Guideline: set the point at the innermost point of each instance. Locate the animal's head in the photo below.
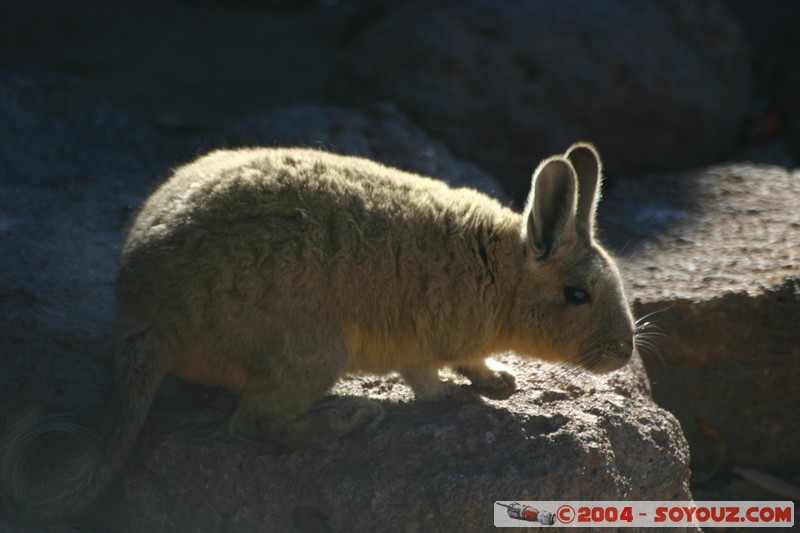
(570, 300)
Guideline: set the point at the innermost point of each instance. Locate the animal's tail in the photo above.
(52, 468)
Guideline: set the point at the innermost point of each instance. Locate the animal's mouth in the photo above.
(611, 362)
(599, 359)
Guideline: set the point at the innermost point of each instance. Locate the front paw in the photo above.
(499, 385)
(501, 380)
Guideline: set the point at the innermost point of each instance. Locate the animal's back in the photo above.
(247, 245)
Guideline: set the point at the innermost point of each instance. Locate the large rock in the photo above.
(381, 133)
(656, 84)
(57, 129)
(428, 467)
(72, 167)
(199, 64)
(771, 27)
(716, 255)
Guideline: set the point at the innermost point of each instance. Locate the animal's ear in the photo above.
(589, 172)
(550, 209)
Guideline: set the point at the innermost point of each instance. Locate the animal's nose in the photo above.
(626, 347)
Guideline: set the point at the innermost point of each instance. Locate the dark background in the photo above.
(99, 100)
(660, 86)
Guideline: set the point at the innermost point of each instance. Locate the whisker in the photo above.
(657, 311)
(595, 361)
(647, 325)
(579, 364)
(653, 333)
(646, 345)
(650, 330)
(650, 335)
(565, 370)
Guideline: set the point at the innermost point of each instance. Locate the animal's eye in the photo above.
(576, 296)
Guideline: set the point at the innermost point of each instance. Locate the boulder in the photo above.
(381, 133)
(657, 85)
(58, 129)
(428, 466)
(714, 256)
(72, 168)
(201, 64)
(771, 30)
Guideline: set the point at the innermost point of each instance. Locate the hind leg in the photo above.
(284, 409)
(274, 417)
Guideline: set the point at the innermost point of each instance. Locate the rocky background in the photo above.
(695, 106)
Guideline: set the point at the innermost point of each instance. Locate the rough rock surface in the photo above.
(72, 168)
(716, 254)
(431, 466)
(428, 467)
(382, 134)
(655, 84)
(57, 128)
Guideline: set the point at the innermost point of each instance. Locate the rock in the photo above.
(71, 169)
(382, 134)
(198, 66)
(714, 254)
(428, 467)
(58, 129)
(660, 85)
(771, 30)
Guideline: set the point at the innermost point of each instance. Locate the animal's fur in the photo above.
(273, 272)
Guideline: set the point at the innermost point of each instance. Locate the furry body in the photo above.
(242, 251)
